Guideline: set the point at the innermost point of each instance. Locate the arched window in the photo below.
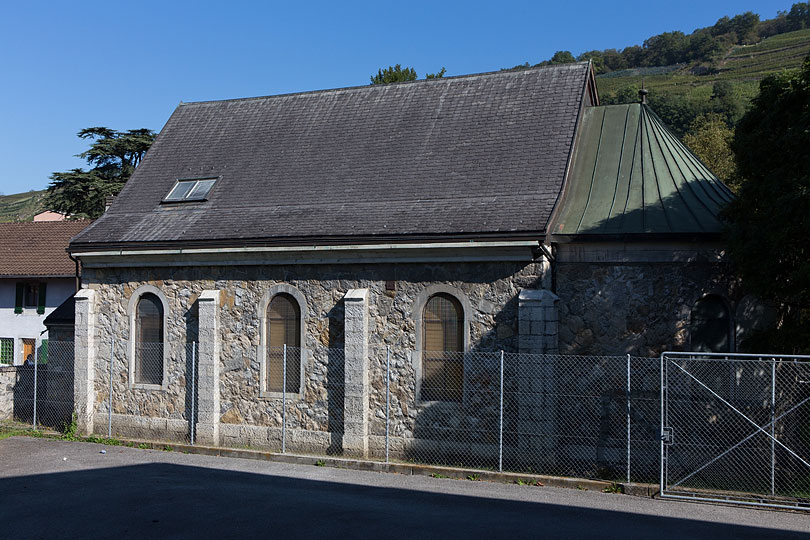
(443, 344)
(283, 328)
(711, 329)
(149, 340)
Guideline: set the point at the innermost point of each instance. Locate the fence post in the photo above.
(284, 403)
(110, 390)
(193, 388)
(773, 426)
(661, 428)
(628, 418)
(500, 423)
(387, 397)
(36, 361)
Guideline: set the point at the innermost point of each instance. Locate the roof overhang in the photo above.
(33, 276)
(524, 250)
(636, 238)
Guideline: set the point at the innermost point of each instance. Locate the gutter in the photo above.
(349, 248)
(451, 252)
(78, 271)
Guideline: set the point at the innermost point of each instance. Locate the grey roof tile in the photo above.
(480, 154)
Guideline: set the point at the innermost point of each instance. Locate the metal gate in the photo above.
(736, 428)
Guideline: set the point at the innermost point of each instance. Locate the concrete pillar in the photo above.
(355, 401)
(537, 407)
(84, 364)
(208, 368)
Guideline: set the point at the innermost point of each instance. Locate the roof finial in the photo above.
(642, 94)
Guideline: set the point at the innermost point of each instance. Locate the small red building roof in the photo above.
(38, 248)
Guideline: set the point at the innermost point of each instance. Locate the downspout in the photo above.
(78, 272)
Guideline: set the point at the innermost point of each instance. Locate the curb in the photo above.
(634, 489)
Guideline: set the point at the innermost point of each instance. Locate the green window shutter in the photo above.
(41, 298)
(42, 358)
(19, 300)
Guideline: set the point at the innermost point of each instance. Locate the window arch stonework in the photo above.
(442, 316)
(148, 345)
(282, 313)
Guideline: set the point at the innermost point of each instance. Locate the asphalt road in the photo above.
(57, 489)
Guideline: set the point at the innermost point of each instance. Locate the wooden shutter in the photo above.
(283, 328)
(18, 302)
(41, 298)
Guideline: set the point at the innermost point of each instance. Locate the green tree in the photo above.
(726, 102)
(597, 59)
(710, 139)
(667, 48)
(113, 156)
(799, 16)
(393, 74)
(438, 75)
(677, 111)
(562, 57)
(769, 222)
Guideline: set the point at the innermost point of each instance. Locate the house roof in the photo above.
(64, 314)
(37, 249)
(474, 156)
(630, 175)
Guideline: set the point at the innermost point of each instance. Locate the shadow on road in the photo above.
(175, 501)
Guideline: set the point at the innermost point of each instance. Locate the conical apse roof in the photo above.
(632, 176)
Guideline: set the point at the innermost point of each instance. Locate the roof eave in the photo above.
(371, 241)
(638, 237)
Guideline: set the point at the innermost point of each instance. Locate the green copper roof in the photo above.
(631, 175)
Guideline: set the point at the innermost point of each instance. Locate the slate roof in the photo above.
(37, 248)
(632, 176)
(463, 156)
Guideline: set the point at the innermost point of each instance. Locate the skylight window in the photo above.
(192, 189)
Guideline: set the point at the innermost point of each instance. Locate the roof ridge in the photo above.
(502, 72)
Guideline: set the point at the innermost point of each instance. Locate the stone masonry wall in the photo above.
(490, 288)
(8, 378)
(637, 308)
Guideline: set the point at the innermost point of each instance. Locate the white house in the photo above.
(36, 276)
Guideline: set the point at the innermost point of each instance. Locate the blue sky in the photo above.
(69, 65)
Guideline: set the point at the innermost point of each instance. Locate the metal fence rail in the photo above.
(40, 391)
(736, 428)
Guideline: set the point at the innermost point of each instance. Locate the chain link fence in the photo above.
(733, 425)
(146, 389)
(737, 428)
(39, 392)
(591, 417)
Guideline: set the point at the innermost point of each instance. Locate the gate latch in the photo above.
(667, 435)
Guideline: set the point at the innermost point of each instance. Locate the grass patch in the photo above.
(613, 488)
(522, 482)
